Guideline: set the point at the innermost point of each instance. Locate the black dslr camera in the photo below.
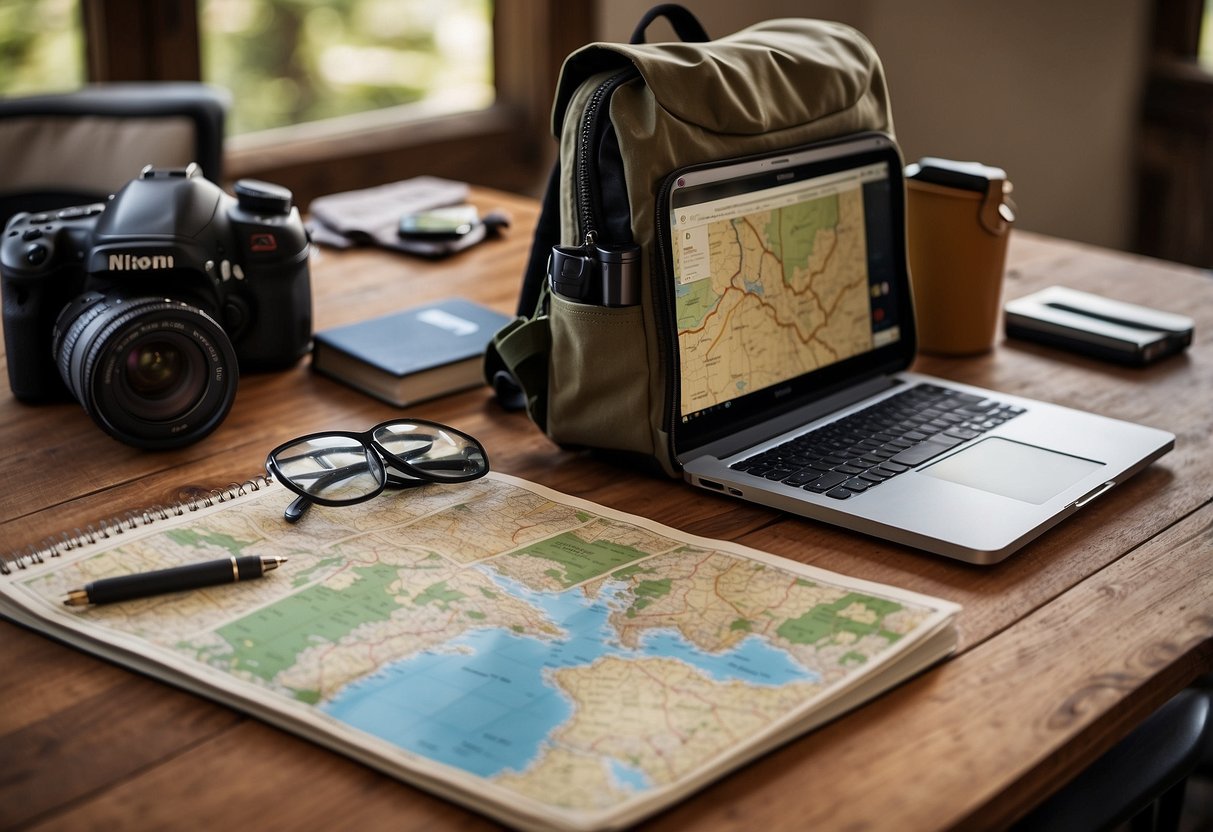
(141, 308)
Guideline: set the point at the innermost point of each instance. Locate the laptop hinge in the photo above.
(770, 428)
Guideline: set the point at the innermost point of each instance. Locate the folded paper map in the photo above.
(549, 662)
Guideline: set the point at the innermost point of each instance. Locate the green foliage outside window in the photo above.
(294, 61)
(1204, 49)
(288, 61)
(41, 47)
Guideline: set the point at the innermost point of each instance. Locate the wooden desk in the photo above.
(1064, 647)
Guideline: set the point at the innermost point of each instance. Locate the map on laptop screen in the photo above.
(773, 281)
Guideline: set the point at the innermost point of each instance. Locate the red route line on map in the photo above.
(812, 336)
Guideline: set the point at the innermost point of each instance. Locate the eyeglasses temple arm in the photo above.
(296, 509)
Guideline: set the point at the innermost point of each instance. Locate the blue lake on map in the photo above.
(481, 702)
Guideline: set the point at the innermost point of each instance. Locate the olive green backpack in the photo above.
(627, 116)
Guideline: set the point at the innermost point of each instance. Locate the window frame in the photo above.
(1175, 143)
(507, 145)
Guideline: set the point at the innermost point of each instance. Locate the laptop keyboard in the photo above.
(861, 451)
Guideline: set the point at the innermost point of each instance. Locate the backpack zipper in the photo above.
(667, 324)
(588, 207)
(588, 203)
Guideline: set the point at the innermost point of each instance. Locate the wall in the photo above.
(1047, 89)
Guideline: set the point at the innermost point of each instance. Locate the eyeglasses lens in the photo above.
(439, 452)
(331, 467)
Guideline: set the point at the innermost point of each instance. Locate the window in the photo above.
(296, 62)
(333, 95)
(1204, 49)
(1175, 159)
(41, 46)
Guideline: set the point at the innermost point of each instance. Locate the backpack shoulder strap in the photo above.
(516, 364)
(547, 234)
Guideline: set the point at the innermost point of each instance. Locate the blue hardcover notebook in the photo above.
(413, 355)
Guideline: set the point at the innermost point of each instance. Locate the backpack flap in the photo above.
(776, 85)
(772, 76)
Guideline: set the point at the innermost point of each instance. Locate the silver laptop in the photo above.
(795, 327)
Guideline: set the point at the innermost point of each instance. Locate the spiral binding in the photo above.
(56, 545)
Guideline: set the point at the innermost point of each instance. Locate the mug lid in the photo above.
(998, 209)
(967, 176)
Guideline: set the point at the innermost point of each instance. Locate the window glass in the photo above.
(41, 46)
(293, 61)
(1204, 49)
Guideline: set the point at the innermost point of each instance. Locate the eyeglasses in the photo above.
(340, 468)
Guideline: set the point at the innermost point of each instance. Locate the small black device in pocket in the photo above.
(602, 275)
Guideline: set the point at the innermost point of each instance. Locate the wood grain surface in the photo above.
(1064, 647)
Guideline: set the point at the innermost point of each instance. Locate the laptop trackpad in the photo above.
(1013, 469)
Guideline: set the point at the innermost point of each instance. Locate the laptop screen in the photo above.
(789, 280)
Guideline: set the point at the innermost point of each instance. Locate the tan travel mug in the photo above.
(958, 220)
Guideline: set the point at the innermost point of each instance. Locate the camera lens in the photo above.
(154, 373)
(153, 369)
(162, 377)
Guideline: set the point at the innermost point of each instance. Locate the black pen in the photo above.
(193, 576)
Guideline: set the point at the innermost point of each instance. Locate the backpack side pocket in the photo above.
(598, 385)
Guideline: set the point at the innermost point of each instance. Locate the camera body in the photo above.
(145, 308)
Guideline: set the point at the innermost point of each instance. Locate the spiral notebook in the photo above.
(549, 662)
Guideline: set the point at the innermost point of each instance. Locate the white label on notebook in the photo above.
(445, 320)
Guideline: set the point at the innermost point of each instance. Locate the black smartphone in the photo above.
(440, 223)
